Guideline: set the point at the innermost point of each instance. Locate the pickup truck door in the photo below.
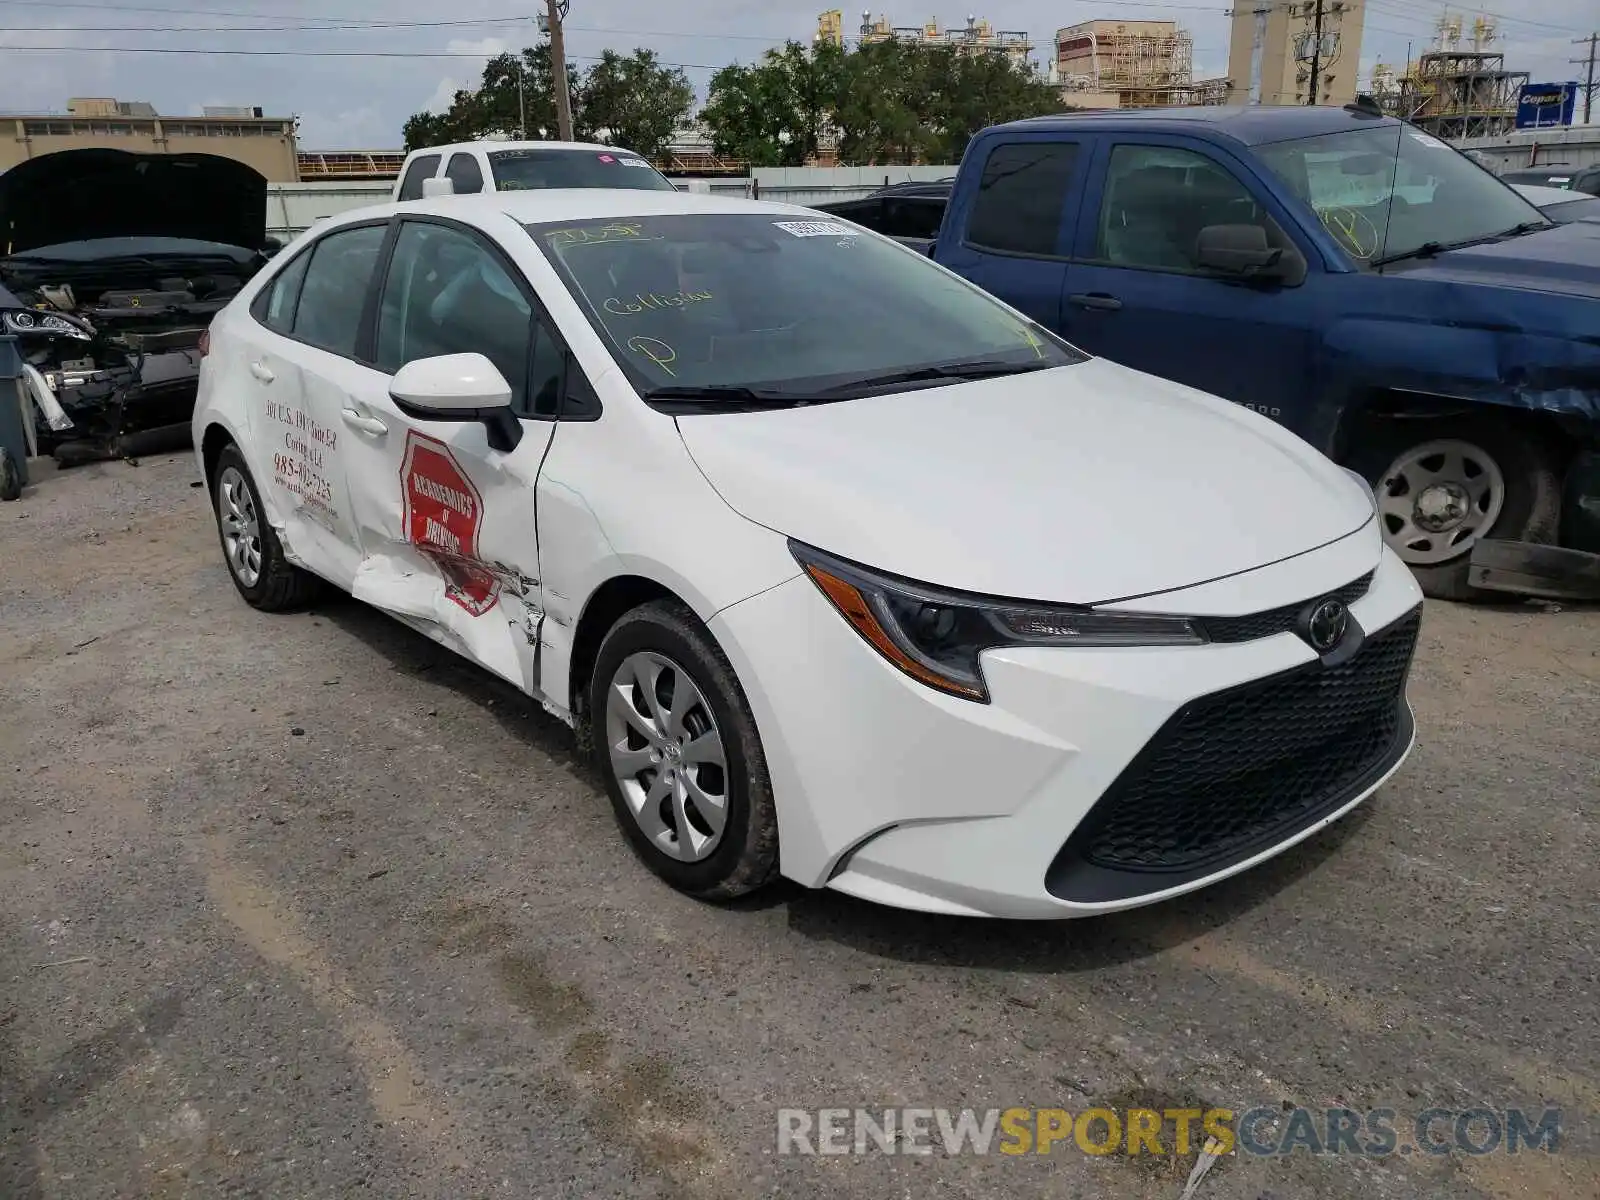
(1011, 231)
(1137, 297)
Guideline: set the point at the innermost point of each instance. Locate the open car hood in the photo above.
(76, 195)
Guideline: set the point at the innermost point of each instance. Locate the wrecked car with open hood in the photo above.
(114, 264)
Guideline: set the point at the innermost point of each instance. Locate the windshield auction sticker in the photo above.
(815, 228)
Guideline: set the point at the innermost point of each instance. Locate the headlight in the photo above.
(936, 637)
(26, 321)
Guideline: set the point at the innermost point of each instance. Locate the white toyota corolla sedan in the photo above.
(844, 569)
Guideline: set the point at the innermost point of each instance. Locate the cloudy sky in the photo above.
(258, 51)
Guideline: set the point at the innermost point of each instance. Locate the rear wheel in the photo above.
(1444, 485)
(256, 562)
(676, 742)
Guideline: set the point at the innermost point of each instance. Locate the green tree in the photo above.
(515, 96)
(888, 102)
(635, 102)
(776, 112)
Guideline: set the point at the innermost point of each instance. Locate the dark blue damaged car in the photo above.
(1353, 278)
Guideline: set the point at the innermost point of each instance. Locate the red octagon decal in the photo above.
(443, 514)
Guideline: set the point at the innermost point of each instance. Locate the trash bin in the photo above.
(13, 418)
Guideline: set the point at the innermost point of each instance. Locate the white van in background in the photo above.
(493, 166)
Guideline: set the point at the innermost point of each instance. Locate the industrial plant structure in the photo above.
(1454, 91)
(1129, 64)
(1276, 46)
(975, 37)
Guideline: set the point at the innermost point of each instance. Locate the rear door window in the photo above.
(421, 168)
(335, 289)
(1022, 198)
(464, 173)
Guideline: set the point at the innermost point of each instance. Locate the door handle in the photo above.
(1095, 300)
(365, 424)
(262, 372)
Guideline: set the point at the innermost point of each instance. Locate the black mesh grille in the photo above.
(1241, 769)
(1275, 620)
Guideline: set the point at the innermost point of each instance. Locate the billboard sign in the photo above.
(1546, 105)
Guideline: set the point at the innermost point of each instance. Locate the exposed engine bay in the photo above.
(114, 345)
(114, 265)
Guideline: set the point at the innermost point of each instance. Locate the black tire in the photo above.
(747, 856)
(280, 586)
(1529, 462)
(10, 476)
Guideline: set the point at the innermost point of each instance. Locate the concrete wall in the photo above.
(293, 208)
(1577, 146)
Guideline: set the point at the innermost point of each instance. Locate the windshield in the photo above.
(521, 170)
(783, 305)
(1392, 190)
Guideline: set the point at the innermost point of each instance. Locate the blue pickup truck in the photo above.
(1340, 271)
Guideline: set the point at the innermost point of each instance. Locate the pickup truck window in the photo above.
(1021, 195)
(1392, 192)
(421, 168)
(520, 170)
(464, 173)
(1156, 201)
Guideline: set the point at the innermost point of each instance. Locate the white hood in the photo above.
(1082, 484)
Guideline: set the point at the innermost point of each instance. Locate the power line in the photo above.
(311, 53)
(354, 25)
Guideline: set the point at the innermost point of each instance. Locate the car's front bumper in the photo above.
(896, 793)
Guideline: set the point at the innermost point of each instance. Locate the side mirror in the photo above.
(458, 387)
(1242, 252)
(438, 187)
(933, 247)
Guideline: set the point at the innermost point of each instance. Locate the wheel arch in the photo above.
(1380, 406)
(213, 442)
(605, 606)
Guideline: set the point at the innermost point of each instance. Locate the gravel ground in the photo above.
(302, 906)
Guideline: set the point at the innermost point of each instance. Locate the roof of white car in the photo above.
(535, 206)
(492, 145)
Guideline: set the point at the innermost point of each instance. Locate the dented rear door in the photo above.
(446, 522)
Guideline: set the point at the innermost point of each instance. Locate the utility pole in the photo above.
(1589, 83)
(1316, 53)
(558, 68)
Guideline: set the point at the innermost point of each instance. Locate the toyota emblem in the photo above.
(1325, 624)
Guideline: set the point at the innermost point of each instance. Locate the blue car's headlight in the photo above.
(27, 322)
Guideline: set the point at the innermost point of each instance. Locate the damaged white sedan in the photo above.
(843, 569)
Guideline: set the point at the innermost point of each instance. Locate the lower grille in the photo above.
(1234, 772)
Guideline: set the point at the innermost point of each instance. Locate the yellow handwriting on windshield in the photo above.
(656, 351)
(1033, 340)
(614, 231)
(651, 302)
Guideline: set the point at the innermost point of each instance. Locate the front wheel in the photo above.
(1444, 485)
(676, 742)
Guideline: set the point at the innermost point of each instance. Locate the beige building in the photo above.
(265, 143)
(1271, 48)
